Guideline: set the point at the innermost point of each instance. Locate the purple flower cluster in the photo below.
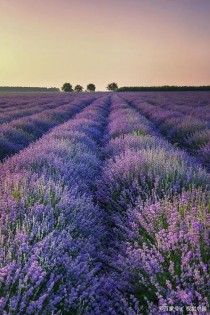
(124, 120)
(50, 228)
(195, 104)
(17, 134)
(155, 199)
(103, 216)
(165, 252)
(143, 165)
(22, 105)
(189, 103)
(186, 126)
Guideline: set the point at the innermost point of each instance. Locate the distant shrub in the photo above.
(67, 87)
(91, 87)
(78, 88)
(112, 86)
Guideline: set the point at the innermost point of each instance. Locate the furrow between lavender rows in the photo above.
(83, 227)
(50, 229)
(34, 105)
(194, 104)
(10, 101)
(183, 130)
(155, 200)
(18, 134)
(11, 114)
(21, 101)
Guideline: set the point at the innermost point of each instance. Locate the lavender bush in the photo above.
(48, 258)
(102, 215)
(165, 253)
(155, 201)
(17, 134)
(182, 126)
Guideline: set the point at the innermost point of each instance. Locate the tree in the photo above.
(78, 88)
(67, 87)
(91, 87)
(112, 86)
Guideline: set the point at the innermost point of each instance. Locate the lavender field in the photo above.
(104, 203)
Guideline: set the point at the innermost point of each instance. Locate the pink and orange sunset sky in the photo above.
(132, 42)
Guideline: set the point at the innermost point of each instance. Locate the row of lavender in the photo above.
(50, 229)
(12, 113)
(141, 245)
(17, 134)
(195, 104)
(184, 130)
(19, 100)
(155, 199)
(19, 105)
(24, 100)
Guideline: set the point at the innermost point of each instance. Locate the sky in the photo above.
(131, 42)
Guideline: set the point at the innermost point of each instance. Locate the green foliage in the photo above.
(163, 88)
(91, 87)
(78, 88)
(67, 87)
(22, 89)
(112, 86)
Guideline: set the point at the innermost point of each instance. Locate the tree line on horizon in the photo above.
(163, 88)
(19, 89)
(67, 87)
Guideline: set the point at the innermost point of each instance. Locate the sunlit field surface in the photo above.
(104, 203)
